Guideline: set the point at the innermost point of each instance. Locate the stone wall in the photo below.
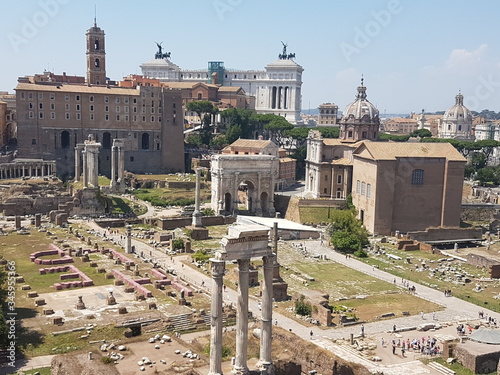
(481, 261)
(311, 358)
(179, 222)
(477, 357)
(441, 234)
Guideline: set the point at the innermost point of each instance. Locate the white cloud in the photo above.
(462, 61)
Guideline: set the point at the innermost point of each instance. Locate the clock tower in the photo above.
(96, 56)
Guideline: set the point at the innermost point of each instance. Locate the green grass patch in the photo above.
(457, 367)
(42, 371)
(34, 343)
(315, 215)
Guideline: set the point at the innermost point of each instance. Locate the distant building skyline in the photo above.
(413, 55)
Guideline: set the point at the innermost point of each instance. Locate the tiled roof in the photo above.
(78, 89)
(342, 161)
(393, 150)
(254, 143)
(284, 160)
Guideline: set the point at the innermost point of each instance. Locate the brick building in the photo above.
(56, 113)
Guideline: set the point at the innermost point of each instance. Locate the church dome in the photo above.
(361, 110)
(458, 113)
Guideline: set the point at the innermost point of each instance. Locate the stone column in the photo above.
(113, 168)
(265, 361)
(121, 164)
(236, 198)
(128, 241)
(258, 203)
(197, 214)
(85, 168)
(218, 267)
(240, 365)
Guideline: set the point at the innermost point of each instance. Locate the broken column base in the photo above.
(198, 233)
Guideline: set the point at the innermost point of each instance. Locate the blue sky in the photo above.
(413, 54)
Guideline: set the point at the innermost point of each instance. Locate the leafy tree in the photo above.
(242, 118)
(277, 128)
(201, 107)
(329, 131)
(394, 138)
(193, 140)
(233, 133)
(422, 133)
(219, 141)
(478, 160)
(299, 134)
(300, 154)
(301, 307)
(346, 232)
(488, 175)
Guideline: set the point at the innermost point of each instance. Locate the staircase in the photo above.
(440, 368)
(182, 322)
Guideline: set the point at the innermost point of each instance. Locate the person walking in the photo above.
(362, 330)
(311, 333)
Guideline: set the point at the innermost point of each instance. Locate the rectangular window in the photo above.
(66, 97)
(91, 98)
(363, 188)
(106, 108)
(40, 114)
(77, 97)
(52, 96)
(417, 177)
(125, 100)
(117, 117)
(67, 116)
(326, 177)
(92, 116)
(30, 95)
(135, 118)
(22, 95)
(52, 106)
(40, 105)
(106, 99)
(358, 187)
(30, 105)
(135, 109)
(66, 106)
(152, 110)
(117, 108)
(52, 115)
(30, 114)
(368, 190)
(117, 100)
(126, 118)
(339, 179)
(40, 96)
(126, 109)
(106, 117)
(135, 100)
(131, 158)
(78, 107)
(78, 116)
(92, 108)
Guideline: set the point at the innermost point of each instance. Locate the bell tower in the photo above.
(96, 56)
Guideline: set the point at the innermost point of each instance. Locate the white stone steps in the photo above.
(440, 368)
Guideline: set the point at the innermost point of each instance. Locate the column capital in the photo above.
(268, 260)
(218, 267)
(243, 265)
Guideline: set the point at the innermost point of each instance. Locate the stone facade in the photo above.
(54, 117)
(457, 121)
(257, 173)
(277, 89)
(477, 357)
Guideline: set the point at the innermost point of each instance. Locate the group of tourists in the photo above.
(424, 345)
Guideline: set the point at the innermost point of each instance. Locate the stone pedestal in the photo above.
(128, 241)
(18, 222)
(198, 233)
(110, 299)
(80, 305)
(38, 220)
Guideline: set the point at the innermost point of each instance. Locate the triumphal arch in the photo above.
(244, 182)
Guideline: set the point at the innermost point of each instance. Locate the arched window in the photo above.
(417, 177)
(145, 141)
(96, 63)
(96, 44)
(200, 96)
(106, 141)
(65, 139)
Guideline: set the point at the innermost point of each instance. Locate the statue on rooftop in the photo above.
(160, 54)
